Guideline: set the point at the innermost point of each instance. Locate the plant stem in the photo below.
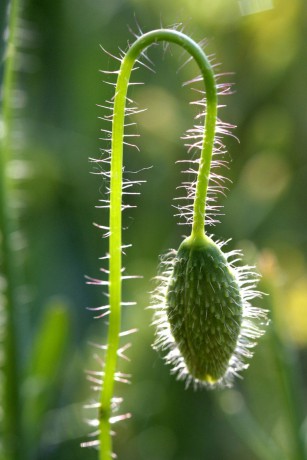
(116, 198)
(11, 398)
(287, 368)
(288, 375)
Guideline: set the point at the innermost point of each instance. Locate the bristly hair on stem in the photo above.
(203, 314)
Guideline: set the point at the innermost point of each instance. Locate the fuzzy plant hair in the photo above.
(204, 319)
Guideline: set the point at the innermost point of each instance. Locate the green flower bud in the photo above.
(203, 313)
(204, 309)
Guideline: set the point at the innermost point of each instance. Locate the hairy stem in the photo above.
(116, 198)
(11, 398)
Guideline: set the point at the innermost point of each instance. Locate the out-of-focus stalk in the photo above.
(287, 370)
(11, 433)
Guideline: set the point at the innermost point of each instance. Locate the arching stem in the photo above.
(116, 198)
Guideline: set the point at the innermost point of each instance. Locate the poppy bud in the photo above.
(203, 312)
(204, 309)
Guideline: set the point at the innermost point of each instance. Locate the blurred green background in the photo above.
(58, 126)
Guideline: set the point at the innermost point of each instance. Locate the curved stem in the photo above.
(11, 398)
(116, 198)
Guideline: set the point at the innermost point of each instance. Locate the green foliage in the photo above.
(40, 386)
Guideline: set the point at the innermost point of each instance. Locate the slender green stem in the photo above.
(291, 397)
(116, 198)
(11, 398)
